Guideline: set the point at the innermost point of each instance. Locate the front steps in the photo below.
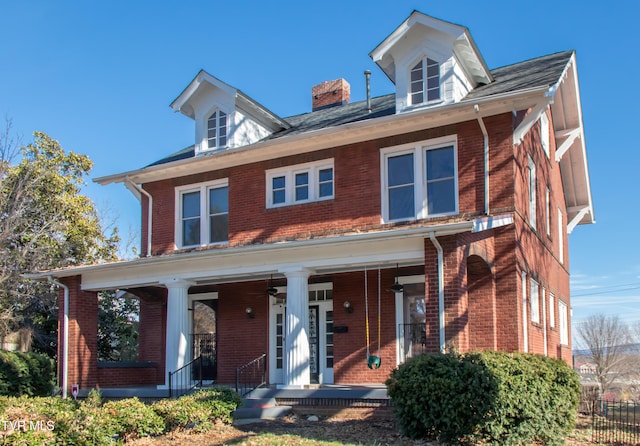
(271, 403)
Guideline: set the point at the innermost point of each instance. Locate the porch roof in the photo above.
(254, 262)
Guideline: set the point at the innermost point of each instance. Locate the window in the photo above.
(425, 86)
(532, 192)
(420, 181)
(217, 130)
(535, 301)
(203, 213)
(301, 183)
(544, 133)
(560, 237)
(525, 319)
(552, 311)
(563, 319)
(547, 210)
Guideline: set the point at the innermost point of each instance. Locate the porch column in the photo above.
(296, 355)
(177, 325)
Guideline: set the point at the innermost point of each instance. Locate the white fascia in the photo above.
(335, 136)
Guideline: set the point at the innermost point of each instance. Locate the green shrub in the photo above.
(130, 418)
(26, 374)
(199, 410)
(441, 396)
(491, 397)
(55, 421)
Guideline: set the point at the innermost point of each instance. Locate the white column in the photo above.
(296, 358)
(177, 325)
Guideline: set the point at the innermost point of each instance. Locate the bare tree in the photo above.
(609, 343)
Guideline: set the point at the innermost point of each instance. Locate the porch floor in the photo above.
(323, 395)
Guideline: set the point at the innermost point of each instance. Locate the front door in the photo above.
(320, 335)
(204, 337)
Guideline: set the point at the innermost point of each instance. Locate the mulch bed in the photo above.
(355, 426)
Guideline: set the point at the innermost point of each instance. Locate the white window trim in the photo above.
(525, 319)
(560, 236)
(202, 188)
(425, 91)
(534, 300)
(552, 311)
(544, 133)
(563, 316)
(531, 180)
(547, 210)
(418, 150)
(204, 125)
(289, 172)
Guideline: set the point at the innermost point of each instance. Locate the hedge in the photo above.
(26, 374)
(54, 421)
(490, 397)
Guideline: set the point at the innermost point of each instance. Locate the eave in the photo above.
(323, 255)
(464, 46)
(571, 153)
(336, 136)
(245, 103)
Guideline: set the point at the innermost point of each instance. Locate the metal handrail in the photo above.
(184, 376)
(251, 375)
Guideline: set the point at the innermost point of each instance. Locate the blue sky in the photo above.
(99, 77)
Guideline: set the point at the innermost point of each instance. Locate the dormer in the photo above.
(431, 62)
(225, 118)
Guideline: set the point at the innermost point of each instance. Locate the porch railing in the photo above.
(186, 378)
(251, 375)
(414, 339)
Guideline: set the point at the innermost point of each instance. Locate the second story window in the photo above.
(203, 214)
(420, 180)
(544, 133)
(217, 130)
(301, 183)
(531, 172)
(425, 82)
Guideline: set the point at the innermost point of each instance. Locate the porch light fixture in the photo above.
(347, 307)
(249, 312)
(272, 291)
(396, 287)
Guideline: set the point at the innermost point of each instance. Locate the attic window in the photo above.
(422, 85)
(217, 130)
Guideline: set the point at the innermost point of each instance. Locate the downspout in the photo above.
(486, 159)
(65, 338)
(441, 321)
(149, 211)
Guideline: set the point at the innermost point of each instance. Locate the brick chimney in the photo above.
(330, 94)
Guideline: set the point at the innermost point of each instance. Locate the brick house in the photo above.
(431, 218)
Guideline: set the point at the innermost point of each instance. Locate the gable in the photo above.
(460, 66)
(224, 116)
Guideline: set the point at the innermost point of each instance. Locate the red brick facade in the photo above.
(482, 271)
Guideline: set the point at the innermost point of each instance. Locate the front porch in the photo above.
(318, 316)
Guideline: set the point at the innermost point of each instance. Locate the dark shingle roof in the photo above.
(539, 72)
(543, 71)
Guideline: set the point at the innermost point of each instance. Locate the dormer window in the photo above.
(217, 130)
(425, 82)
